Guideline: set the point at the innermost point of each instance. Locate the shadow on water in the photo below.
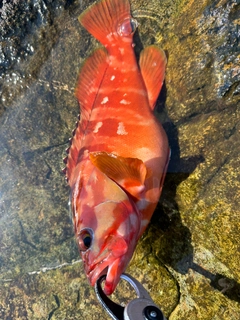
(176, 249)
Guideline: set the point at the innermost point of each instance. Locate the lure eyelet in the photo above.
(85, 239)
(127, 27)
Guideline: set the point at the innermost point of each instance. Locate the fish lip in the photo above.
(105, 267)
(97, 270)
(108, 263)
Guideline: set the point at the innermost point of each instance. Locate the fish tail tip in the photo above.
(102, 19)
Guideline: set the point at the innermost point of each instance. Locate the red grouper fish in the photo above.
(119, 153)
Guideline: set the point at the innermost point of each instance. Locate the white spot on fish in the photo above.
(92, 89)
(121, 50)
(93, 178)
(122, 229)
(121, 129)
(110, 36)
(88, 189)
(125, 90)
(134, 90)
(134, 219)
(142, 204)
(125, 94)
(85, 154)
(105, 100)
(112, 78)
(97, 126)
(123, 101)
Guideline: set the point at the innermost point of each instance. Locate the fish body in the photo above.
(119, 153)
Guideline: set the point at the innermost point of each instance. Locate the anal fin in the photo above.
(152, 63)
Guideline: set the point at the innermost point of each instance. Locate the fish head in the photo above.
(108, 240)
(106, 218)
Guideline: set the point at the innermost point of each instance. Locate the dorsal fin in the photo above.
(152, 63)
(129, 173)
(90, 78)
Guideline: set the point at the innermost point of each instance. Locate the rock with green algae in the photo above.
(49, 294)
(197, 235)
(188, 258)
(62, 292)
(203, 102)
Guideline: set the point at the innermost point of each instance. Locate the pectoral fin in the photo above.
(153, 64)
(129, 173)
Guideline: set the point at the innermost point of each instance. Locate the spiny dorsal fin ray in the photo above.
(90, 78)
(152, 63)
(129, 173)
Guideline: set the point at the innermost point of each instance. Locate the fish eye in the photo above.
(127, 27)
(85, 238)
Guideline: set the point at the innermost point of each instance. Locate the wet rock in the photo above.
(48, 294)
(188, 259)
(29, 31)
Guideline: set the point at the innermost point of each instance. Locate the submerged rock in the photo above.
(188, 259)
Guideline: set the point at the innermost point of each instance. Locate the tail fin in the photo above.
(104, 18)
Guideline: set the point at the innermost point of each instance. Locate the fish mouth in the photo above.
(111, 262)
(96, 271)
(111, 269)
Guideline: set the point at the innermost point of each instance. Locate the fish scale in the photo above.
(119, 153)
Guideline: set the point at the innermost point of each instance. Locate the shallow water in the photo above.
(188, 258)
